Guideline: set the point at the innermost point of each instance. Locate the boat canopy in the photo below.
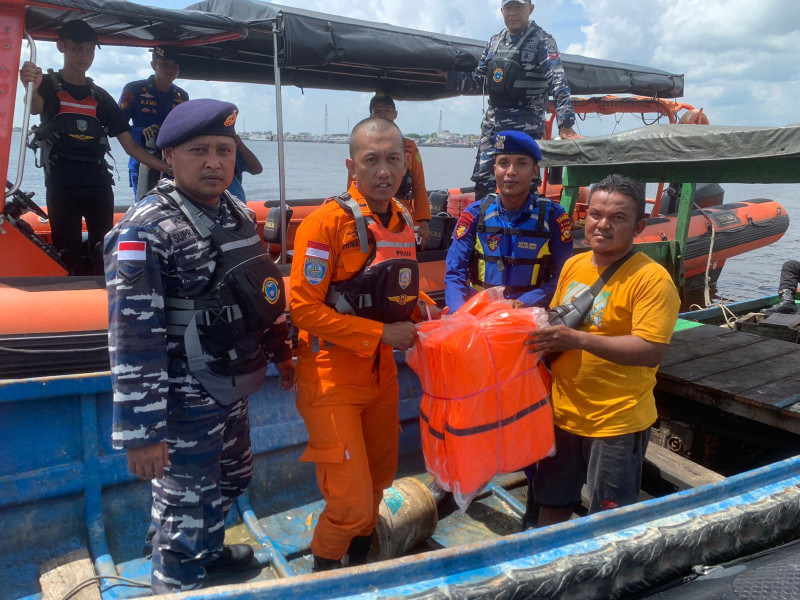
(120, 23)
(657, 144)
(318, 50)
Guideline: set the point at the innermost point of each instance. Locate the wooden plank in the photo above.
(720, 363)
(678, 470)
(687, 351)
(700, 333)
(59, 575)
(742, 407)
(759, 373)
(775, 392)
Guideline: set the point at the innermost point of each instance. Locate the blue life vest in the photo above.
(516, 257)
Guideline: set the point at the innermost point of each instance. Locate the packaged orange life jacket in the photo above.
(485, 406)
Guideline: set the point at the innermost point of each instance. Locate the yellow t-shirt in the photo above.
(594, 397)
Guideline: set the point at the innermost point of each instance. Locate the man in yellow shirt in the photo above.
(604, 376)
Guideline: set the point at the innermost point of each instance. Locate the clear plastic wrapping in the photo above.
(485, 406)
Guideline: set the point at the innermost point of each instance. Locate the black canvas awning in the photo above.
(120, 23)
(332, 52)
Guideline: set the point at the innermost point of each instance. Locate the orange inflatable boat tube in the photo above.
(485, 406)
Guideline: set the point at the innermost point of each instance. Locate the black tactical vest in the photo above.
(386, 289)
(223, 329)
(509, 84)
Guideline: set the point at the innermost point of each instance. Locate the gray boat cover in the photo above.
(120, 23)
(318, 50)
(676, 144)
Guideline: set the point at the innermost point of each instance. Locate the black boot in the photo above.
(235, 557)
(325, 564)
(358, 550)
(786, 306)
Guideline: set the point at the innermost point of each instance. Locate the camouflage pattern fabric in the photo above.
(539, 55)
(151, 253)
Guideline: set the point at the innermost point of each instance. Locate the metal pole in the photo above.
(26, 116)
(279, 115)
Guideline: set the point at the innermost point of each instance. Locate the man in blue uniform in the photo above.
(520, 68)
(510, 238)
(196, 310)
(146, 103)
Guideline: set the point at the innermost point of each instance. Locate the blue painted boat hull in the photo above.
(63, 488)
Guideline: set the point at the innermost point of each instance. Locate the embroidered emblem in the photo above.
(402, 299)
(82, 125)
(565, 225)
(497, 75)
(231, 119)
(404, 278)
(464, 222)
(314, 269)
(500, 142)
(493, 242)
(271, 290)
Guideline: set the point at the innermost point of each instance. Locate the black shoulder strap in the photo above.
(543, 214)
(487, 202)
(609, 273)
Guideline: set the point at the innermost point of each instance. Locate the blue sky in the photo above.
(740, 59)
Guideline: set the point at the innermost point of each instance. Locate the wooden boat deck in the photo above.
(741, 373)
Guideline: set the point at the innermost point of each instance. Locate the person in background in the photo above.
(412, 192)
(196, 312)
(604, 371)
(77, 117)
(147, 102)
(246, 162)
(790, 277)
(520, 68)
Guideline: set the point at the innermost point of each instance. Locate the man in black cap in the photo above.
(147, 102)
(77, 117)
(196, 311)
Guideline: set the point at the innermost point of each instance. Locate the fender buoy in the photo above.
(695, 116)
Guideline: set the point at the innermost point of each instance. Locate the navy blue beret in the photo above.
(197, 117)
(516, 142)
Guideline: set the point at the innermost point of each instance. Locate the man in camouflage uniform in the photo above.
(520, 68)
(180, 393)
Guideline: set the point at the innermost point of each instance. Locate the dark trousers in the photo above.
(211, 465)
(66, 206)
(790, 275)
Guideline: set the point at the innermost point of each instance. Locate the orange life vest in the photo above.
(485, 407)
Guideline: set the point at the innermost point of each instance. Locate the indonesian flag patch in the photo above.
(132, 251)
(318, 250)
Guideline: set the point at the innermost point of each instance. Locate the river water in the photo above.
(316, 170)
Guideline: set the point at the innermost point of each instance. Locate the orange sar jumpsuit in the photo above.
(418, 205)
(347, 390)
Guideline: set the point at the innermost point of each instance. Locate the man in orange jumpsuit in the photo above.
(347, 378)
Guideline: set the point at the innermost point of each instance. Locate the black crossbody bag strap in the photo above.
(609, 273)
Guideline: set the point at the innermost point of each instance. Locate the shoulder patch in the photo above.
(131, 251)
(318, 250)
(463, 224)
(314, 269)
(271, 289)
